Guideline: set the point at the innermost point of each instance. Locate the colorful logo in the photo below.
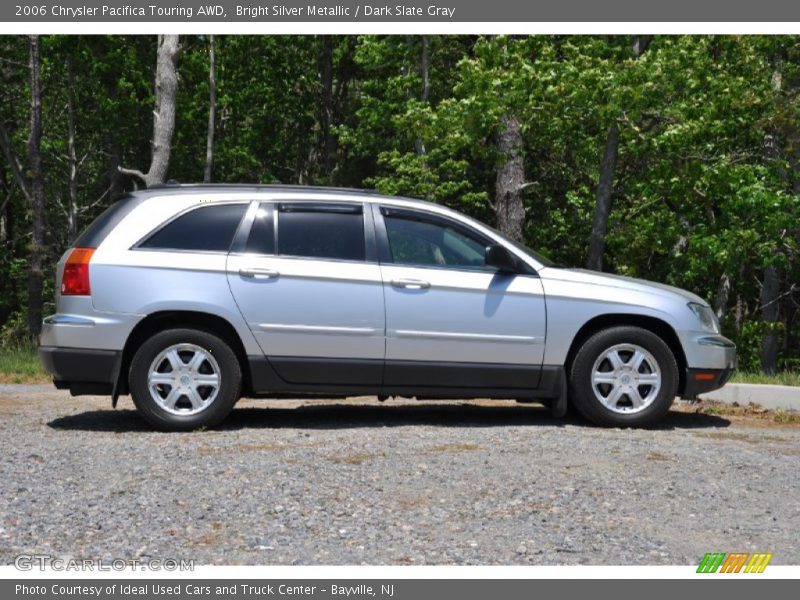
(736, 562)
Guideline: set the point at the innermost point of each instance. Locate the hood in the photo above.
(621, 282)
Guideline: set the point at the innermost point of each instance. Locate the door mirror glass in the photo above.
(501, 259)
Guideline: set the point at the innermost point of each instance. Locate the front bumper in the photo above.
(701, 381)
(711, 360)
(80, 370)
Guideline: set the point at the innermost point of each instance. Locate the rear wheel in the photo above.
(182, 379)
(624, 376)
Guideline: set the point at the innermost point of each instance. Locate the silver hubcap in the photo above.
(626, 378)
(184, 379)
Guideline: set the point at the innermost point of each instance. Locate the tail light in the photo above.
(75, 279)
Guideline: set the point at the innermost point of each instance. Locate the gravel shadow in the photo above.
(348, 416)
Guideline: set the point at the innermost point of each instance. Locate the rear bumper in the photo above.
(78, 325)
(80, 370)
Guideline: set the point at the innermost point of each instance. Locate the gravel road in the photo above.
(352, 482)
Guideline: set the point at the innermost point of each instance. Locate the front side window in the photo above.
(321, 231)
(208, 228)
(416, 240)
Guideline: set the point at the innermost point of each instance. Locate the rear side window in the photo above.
(208, 228)
(321, 231)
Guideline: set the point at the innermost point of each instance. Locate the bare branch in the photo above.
(13, 161)
(85, 156)
(102, 196)
(789, 292)
(6, 201)
(626, 120)
(61, 205)
(133, 173)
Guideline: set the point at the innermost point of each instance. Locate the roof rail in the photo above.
(174, 185)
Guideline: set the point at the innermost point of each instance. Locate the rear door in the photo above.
(452, 321)
(308, 284)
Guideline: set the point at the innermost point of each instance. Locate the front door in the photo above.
(452, 321)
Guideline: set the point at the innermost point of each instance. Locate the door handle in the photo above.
(411, 284)
(256, 273)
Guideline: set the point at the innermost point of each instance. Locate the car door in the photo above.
(308, 284)
(452, 321)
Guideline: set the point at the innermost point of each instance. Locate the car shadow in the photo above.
(351, 416)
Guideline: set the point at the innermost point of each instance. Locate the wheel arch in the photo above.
(657, 326)
(174, 319)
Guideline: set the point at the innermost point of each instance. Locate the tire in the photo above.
(183, 379)
(608, 388)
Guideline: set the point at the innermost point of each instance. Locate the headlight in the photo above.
(706, 316)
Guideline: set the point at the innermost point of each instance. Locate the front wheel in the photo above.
(624, 376)
(182, 379)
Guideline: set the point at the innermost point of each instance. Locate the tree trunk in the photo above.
(770, 305)
(166, 87)
(602, 209)
(722, 296)
(770, 286)
(738, 314)
(164, 121)
(605, 187)
(424, 68)
(36, 256)
(790, 314)
(212, 108)
(508, 205)
(328, 141)
(72, 157)
(7, 215)
(116, 180)
(640, 43)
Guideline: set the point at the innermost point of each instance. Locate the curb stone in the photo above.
(784, 397)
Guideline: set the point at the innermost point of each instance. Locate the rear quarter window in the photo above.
(209, 228)
(96, 232)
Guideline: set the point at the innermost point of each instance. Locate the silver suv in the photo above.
(189, 297)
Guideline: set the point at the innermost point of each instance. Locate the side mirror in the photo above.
(501, 259)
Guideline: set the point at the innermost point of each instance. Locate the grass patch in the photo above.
(754, 413)
(740, 437)
(782, 378)
(456, 448)
(658, 456)
(20, 364)
(354, 459)
(785, 418)
(244, 448)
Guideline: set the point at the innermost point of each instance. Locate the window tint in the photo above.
(319, 232)
(416, 241)
(205, 228)
(262, 235)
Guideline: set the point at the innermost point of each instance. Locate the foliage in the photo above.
(791, 378)
(20, 364)
(706, 189)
